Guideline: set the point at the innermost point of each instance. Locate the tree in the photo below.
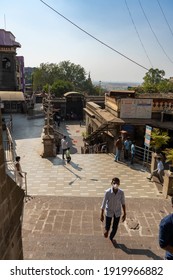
(152, 79)
(64, 71)
(40, 78)
(73, 73)
(164, 86)
(169, 155)
(60, 87)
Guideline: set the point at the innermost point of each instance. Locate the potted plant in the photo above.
(158, 139)
(84, 134)
(169, 157)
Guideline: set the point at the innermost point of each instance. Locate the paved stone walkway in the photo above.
(69, 228)
(61, 217)
(88, 175)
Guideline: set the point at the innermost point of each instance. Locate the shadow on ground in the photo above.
(141, 252)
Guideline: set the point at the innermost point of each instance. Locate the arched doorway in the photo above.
(75, 103)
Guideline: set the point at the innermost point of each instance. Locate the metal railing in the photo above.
(10, 169)
(8, 150)
(143, 155)
(9, 153)
(8, 144)
(94, 149)
(24, 181)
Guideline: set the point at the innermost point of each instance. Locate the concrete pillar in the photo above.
(168, 183)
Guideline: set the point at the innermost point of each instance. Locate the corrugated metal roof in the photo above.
(12, 96)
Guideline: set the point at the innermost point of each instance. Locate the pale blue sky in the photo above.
(47, 37)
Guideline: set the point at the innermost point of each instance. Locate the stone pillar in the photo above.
(153, 162)
(48, 121)
(49, 149)
(168, 183)
(48, 146)
(48, 130)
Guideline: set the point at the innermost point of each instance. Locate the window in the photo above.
(6, 64)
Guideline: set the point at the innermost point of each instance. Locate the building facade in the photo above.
(8, 63)
(11, 74)
(128, 114)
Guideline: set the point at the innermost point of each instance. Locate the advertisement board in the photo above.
(136, 108)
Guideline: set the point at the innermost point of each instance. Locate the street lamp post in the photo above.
(100, 83)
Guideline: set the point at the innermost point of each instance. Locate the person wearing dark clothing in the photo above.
(118, 147)
(166, 235)
(127, 146)
(133, 152)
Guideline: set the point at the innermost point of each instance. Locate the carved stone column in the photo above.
(49, 149)
(48, 146)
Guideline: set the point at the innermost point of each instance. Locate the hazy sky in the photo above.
(141, 30)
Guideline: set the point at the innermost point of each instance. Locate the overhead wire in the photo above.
(154, 33)
(89, 34)
(138, 34)
(165, 18)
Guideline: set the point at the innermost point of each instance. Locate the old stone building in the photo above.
(8, 63)
(12, 79)
(11, 210)
(71, 105)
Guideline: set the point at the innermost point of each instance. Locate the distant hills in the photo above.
(116, 85)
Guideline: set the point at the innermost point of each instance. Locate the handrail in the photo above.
(8, 150)
(141, 154)
(24, 182)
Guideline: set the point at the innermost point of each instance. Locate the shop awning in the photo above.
(12, 96)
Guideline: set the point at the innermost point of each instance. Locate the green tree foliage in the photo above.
(164, 86)
(169, 155)
(74, 77)
(73, 73)
(159, 138)
(152, 79)
(154, 82)
(60, 87)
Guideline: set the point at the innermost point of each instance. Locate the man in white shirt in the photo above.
(158, 171)
(64, 146)
(113, 202)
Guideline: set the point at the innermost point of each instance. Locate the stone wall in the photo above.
(11, 209)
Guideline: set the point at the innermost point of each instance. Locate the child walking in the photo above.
(68, 156)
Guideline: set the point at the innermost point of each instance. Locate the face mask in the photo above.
(115, 186)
